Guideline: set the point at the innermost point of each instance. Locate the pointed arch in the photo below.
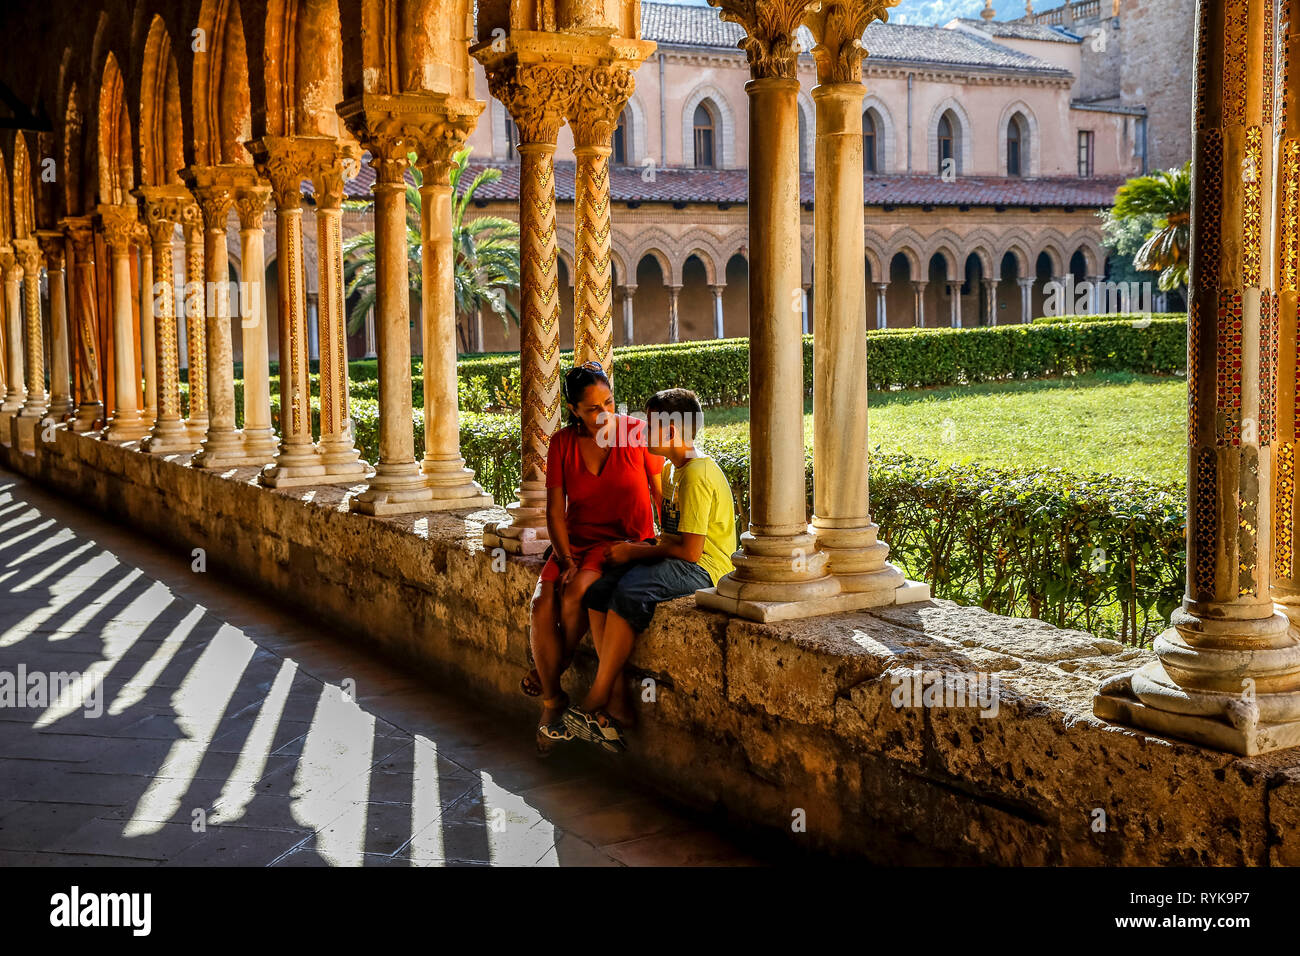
(6, 225)
(981, 243)
(223, 110)
(707, 259)
(73, 124)
(162, 138)
(116, 151)
(1017, 244)
(1029, 155)
(909, 243)
(945, 243)
(724, 147)
(962, 132)
(886, 144)
(634, 132)
(24, 205)
(807, 131)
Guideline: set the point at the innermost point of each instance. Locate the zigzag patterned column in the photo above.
(1228, 670)
(258, 435)
(90, 393)
(37, 402)
(54, 251)
(127, 424)
(13, 337)
(164, 210)
(195, 321)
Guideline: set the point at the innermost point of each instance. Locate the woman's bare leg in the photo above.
(547, 646)
(573, 615)
(616, 648)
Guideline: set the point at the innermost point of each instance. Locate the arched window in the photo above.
(803, 139)
(704, 136)
(947, 142)
(1014, 143)
(869, 163)
(620, 140)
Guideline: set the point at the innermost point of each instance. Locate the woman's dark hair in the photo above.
(576, 382)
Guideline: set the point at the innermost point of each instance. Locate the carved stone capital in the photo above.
(53, 248)
(538, 96)
(601, 94)
(164, 209)
(389, 126)
(81, 230)
(10, 270)
(284, 162)
(250, 204)
(214, 206)
(118, 223)
(449, 124)
(28, 253)
(770, 27)
(837, 26)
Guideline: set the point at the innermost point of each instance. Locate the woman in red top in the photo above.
(601, 485)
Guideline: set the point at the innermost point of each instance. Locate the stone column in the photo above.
(1097, 294)
(29, 257)
(1026, 284)
(918, 302)
(148, 326)
(338, 452)
(90, 408)
(13, 338)
(390, 133)
(1286, 255)
(674, 325)
(601, 95)
(779, 572)
(538, 98)
(222, 446)
(164, 209)
(453, 484)
(371, 343)
(882, 308)
(841, 506)
(719, 329)
(54, 251)
(629, 304)
(258, 435)
(196, 321)
(803, 310)
(1227, 673)
(954, 304)
(296, 463)
(128, 423)
(991, 299)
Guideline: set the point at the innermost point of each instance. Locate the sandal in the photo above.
(551, 735)
(531, 683)
(596, 727)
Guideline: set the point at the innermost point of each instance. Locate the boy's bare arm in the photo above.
(687, 547)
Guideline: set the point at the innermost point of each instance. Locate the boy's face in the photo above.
(663, 433)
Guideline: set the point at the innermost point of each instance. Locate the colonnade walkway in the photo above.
(226, 731)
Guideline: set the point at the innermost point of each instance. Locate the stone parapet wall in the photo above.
(761, 721)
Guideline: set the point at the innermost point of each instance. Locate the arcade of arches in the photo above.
(170, 126)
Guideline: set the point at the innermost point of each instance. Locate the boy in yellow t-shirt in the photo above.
(698, 522)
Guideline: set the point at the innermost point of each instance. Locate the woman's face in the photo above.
(595, 408)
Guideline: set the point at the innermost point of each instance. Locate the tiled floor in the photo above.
(222, 732)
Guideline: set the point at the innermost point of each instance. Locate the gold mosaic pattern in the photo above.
(1288, 228)
(1193, 372)
(1234, 62)
(540, 376)
(1283, 509)
(1204, 518)
(594, 280)
(1202, 63)
(169, 386)
(1252, 208)
(1247, 522)
(1270, 45)
(1228, 368)
(1209, 208)
(195, 331)
(1268, 354)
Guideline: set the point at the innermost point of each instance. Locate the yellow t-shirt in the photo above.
(697, 500)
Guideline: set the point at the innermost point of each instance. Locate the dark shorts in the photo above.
(635, 590)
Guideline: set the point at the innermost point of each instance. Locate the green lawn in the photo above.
(1118, 422)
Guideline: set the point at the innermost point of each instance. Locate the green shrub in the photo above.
(1109, 317)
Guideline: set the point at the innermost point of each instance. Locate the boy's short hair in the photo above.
(675, 406)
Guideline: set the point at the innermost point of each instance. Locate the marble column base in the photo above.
(88, 417)
(712, 599)
(198, 429)
(224, 449)
(133, 427)
(393, 490)
(260, 445)
(169, 437)
(525, 530)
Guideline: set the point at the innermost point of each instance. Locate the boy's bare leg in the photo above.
(545, 639)
(573, 616)
(596, 621)
(616, 648)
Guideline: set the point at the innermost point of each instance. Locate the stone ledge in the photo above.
(760, 720)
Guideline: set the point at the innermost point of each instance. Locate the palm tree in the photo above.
(486, 251)
(1166, 196)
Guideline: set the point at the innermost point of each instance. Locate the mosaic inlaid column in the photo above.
(674, 320)
(36, 403)
(148, 323)
(398, 485)
(918, 302)
(128, 422)
(954, 304)
(296, 463)
(85, 324)
(337, 450)
(991, 299)
(779, 572)
(1286, 512)
(195, 322)
(164, 210)
(841, 505)
(222, 445)
(538, 98)
(1227, 673)
(54, 252)
(453, 484)
(601, 94)
(13, 336)
(259, 440)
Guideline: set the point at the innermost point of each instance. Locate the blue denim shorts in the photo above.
(635, 590)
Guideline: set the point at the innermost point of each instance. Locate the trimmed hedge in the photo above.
(1109, 317)
(1094, 552)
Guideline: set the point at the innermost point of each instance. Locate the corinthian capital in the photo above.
(214, 205)
(283, 162)
(164, 209)
(250, 204)
(119, 224)
(28, 252)
(10, 270)
(450, 121)
(81, 230)
(770, 27)
(836, 26)
(53, 248)
(602, 92)
(539, 96)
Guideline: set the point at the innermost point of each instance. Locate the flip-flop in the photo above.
(596, 727)
(531, 683)
(550, 736)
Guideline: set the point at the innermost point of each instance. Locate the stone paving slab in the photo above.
(227, 734)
